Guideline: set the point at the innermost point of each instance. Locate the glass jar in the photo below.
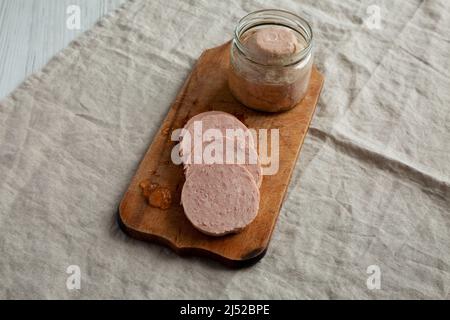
(262, 76)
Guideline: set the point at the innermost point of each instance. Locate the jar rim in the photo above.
(275, 17)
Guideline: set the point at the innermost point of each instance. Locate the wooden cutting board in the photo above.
(206, 89)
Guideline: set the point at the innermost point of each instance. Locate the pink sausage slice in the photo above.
(212, 120)
(199, 116)
(220, 199)
(244, 155)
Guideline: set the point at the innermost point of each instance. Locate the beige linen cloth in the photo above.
(371, 187)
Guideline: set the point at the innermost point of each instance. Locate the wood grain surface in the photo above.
(33, 31)
(206, 89)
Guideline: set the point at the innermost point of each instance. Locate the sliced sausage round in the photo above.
(220, 199)
(231, 151)
(218, 120)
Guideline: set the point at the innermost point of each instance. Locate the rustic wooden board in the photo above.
(207, 89)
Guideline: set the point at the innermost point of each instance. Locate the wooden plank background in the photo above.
(32, 31)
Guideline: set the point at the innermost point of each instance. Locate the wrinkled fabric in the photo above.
(371, 186)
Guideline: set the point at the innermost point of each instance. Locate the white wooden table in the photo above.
(32, 31)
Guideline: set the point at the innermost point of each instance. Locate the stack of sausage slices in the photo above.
(223, 173)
